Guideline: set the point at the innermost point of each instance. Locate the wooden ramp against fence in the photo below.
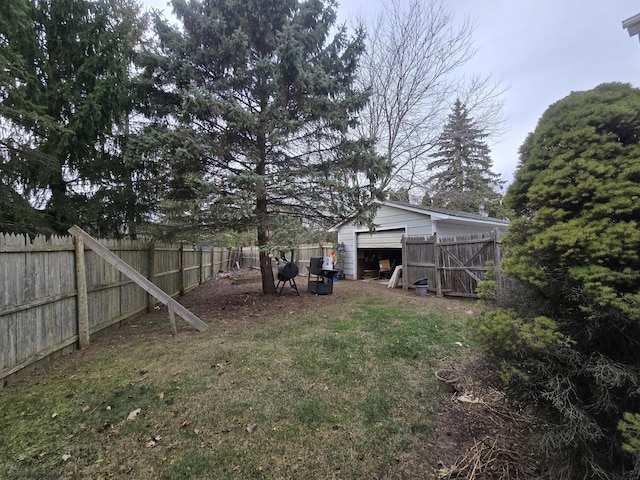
(54, 294)
(173, 306)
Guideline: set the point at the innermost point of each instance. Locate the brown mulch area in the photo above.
(232, 300)
(481, 432)
(486, 439)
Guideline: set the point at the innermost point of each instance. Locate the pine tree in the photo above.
(63, 98)
(463, 179)
(263, 106)
(16, 106)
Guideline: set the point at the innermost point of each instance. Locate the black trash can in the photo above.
(421, 287)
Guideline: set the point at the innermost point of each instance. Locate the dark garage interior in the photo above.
(369, 261)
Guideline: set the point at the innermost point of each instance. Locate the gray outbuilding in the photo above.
(362, 250)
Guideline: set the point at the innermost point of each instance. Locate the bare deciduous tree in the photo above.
(412, 67)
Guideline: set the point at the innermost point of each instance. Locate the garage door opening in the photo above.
(369, 261)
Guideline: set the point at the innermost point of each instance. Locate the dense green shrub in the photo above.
(567, 332)
(630, 428)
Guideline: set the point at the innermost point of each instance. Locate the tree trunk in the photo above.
(268, 285)
(262, 214)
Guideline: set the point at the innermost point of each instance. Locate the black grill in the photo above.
(287, 272)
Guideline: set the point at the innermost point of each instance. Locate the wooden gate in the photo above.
(452, 265)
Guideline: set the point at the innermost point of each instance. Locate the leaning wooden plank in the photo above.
(172, 321)
(395, 277)
(134, 275)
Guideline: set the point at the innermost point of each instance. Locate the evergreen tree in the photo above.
(261, 106)
(16, 213)
(463, 179)
(399, 195)
(62, 104)
(569, 338)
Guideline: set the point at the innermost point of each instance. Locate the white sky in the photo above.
(540, 50)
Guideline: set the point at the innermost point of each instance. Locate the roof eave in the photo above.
(632, 25)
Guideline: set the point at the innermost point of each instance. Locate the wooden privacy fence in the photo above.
(301, 255)
(452, 265)
(38, 290)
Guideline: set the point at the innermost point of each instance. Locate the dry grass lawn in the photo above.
(338, 386)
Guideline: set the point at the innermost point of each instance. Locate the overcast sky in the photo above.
(540, 50)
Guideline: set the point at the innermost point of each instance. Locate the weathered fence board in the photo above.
(452, 266)
(39, 305)
(140, 279)
(38, 290)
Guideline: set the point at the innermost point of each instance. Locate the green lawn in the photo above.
(346, 394)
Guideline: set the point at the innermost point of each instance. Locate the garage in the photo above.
(365, 250)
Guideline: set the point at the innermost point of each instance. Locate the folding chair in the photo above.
(384, 268)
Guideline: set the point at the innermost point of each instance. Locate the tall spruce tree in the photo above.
(16, 106)
(263, 105)
(65, 94)
(462, 178)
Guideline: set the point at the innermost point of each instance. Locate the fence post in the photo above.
(81, 294)
(215, 254)
(201, 269)
(181, 260)
(496, 248)
(436, 252)
(152, 274)
(405, 274)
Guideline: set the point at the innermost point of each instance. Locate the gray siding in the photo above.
(447, 228)
(387, 218)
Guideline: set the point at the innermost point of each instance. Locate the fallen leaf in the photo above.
(469, 398)
(161, 395)
(153, 441)
(185, 423)
(54, 415)
(251, 428)
(85, 408)
(196, 431)
(66, 457)
(108, 407)
(104, 426)
(133, 415)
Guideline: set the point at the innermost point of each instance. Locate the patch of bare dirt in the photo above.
(481, 433)
(232, 299)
